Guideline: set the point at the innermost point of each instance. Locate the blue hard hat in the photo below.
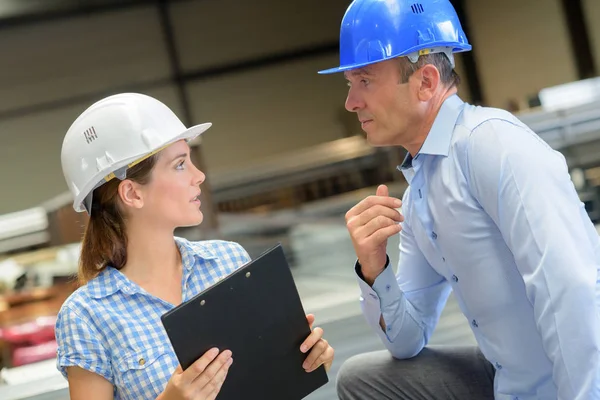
(378, 30)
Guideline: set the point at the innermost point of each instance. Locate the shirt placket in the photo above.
(420, 196)
(421, 190)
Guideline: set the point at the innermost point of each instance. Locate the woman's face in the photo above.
(170, 198)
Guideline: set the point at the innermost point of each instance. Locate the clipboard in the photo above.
(255, 312)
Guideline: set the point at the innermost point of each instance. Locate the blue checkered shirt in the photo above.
(112, 327)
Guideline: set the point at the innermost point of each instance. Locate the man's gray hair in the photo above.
(448, 75)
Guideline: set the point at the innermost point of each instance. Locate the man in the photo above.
(490, 213)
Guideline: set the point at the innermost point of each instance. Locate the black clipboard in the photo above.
(256, 313)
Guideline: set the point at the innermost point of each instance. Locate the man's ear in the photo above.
(130, 194)
(429, 79)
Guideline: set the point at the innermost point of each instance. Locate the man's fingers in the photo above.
(382, 190)
(371, 201)
(372, 213)
(377, 223)
(385, 233)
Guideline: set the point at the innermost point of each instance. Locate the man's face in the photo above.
(383, 104)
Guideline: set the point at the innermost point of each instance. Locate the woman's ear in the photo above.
(130, 194)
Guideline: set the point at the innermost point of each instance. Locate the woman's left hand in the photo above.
(321, 353)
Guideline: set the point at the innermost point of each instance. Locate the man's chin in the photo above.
(376, 140)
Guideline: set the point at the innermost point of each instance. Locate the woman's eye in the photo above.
(180, 165)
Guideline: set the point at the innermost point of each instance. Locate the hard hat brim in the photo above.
(193, 132)
(457, 48)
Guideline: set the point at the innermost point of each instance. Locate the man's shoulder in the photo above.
(478, 125)
(476, 117)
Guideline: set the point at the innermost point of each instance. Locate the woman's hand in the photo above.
(202, 380)
(321, 353)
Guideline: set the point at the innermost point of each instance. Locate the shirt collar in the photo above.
(437, 142)
(193, 252)
(111, 280)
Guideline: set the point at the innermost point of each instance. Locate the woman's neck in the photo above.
(152, 256)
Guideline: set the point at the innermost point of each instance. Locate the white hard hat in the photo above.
(114, 134)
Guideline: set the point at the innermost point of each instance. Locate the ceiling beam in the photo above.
(56, 10)
(185, 77)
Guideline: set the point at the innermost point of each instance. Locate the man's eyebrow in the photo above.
(365, 71)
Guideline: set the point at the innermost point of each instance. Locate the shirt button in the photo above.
(388, 287)
(455, 278)
(433, 235)
(498, 366)
(474, 323)
(142, 361)
(444, 259)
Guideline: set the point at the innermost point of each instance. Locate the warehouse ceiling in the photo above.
(16, 12)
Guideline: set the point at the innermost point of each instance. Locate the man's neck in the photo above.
(423, 129)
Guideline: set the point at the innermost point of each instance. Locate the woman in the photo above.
(127, 163)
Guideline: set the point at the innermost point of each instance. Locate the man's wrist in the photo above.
(368, 278)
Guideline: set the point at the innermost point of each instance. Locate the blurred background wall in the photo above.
(247, 66)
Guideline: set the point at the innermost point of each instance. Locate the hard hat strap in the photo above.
(414, 57)
(120, 173)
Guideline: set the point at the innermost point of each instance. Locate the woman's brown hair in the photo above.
(105, 238)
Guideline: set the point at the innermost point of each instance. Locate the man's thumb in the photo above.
(382, 190)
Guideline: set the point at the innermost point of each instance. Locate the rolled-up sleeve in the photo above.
(79, 345)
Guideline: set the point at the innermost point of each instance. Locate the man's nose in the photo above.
(354, 102)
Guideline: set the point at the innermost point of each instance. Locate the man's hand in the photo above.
(370, 223)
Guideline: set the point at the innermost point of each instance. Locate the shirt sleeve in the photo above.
(525, 187)
(241, 254)
(79, 345)
(411, 301)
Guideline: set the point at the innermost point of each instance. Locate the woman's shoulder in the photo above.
(86, 298)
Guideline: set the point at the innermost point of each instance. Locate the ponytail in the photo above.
(105, 238)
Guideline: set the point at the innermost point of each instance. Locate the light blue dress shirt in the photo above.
(491, 214)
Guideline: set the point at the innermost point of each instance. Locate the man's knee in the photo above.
(378, 375)
(351, 371)
(361, 374)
